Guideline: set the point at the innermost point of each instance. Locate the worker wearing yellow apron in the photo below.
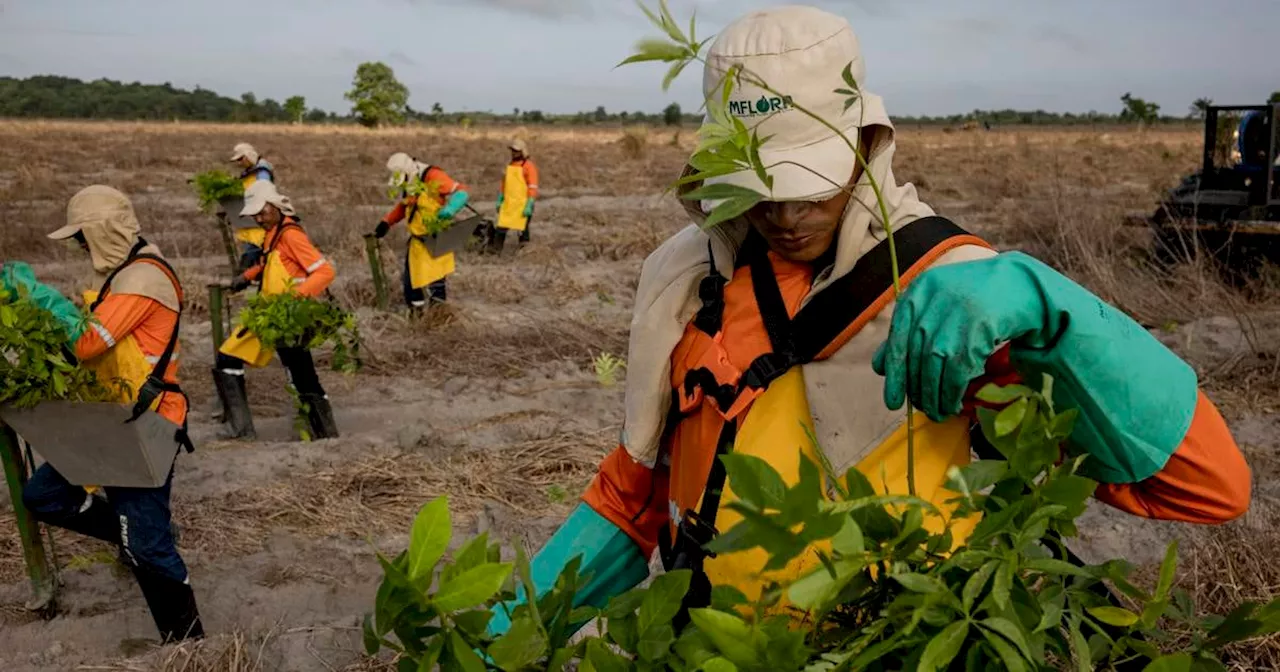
(424, 276)
(252, 169)
(516, 197)
(291, 263)
(755, 334)
(132, 339)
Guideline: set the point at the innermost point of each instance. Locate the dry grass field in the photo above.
(492, 400)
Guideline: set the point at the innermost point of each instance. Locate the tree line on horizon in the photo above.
(379, 99)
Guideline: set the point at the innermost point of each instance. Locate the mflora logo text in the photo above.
(764, 105)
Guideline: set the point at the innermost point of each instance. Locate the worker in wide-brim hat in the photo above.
(290, 263)
(751, 336)
(253, 168)
(131, 344)
(517, 195)
(424, 276)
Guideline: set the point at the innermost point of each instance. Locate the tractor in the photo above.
(1230, 208)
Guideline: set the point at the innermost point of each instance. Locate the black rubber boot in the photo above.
(499, 241)
(235, 403)
(172, 604)
(320, 416)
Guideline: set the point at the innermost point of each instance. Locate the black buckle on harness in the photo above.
(724, 395)
(711, 315)
(767, 368)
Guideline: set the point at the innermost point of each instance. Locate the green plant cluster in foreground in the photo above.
(889, 595)
(290, 320)
(35, 363)
(214, 186)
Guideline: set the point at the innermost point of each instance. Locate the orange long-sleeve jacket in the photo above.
(300, 258)
(151, 324)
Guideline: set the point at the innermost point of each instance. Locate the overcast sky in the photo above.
(923, 56)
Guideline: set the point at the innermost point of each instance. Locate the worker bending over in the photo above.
(424, 276)
(291, 264)
(751, 334)
(253, 168)
(132, 339)
(516, 196)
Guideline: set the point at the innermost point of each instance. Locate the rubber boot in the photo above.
(499, 241)
(235, 400)
(320, 416)
(172, 604)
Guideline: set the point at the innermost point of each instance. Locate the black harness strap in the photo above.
(256, 168)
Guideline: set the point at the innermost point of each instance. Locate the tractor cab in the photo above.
(1230, 208)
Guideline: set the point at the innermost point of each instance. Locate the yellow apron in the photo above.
(425, 269)
(254, 235)
(243, 344)
(774, 430)
(123, 366)
(515, 194)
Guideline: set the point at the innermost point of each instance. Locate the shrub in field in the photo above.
(35, 364)
(213, 186)
(891, 588)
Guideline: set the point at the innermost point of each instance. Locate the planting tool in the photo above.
(375, 268)
(224, 227)
(43, 573)
(219, 314)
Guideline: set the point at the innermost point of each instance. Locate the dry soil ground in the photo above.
(492, 400)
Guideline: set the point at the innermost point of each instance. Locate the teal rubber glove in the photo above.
(1135, 397)
(455, 203)
(501, 197)
(609, 557)
(528, 208)
(17, 277)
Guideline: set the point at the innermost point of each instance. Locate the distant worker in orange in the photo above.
(291, 264)
(517, 195)
(424, 276)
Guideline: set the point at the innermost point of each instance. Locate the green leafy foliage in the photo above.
(290, 320)
(35, 363)
(213, 186)
(426, 200)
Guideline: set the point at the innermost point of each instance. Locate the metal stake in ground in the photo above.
(44, 579)
(375, 269)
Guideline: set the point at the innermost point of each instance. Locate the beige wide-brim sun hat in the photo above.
(244, 150)
(519, 145)
(259, 194)
(801, 52)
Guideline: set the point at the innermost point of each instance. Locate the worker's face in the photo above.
(269, 217)
(244, 162)
(800, 230)
(81, 241)
(516, 155)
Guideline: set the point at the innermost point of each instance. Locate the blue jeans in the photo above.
(135, 519)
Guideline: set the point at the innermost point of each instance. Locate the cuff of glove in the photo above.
(1136, 398)
(609, 557)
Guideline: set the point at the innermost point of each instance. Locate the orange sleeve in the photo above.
(1206, 481)
(531, 178)
(255, 270)
(396, 214)
(295, 244)
(447, 184)
(115, 319)
(631, 496)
